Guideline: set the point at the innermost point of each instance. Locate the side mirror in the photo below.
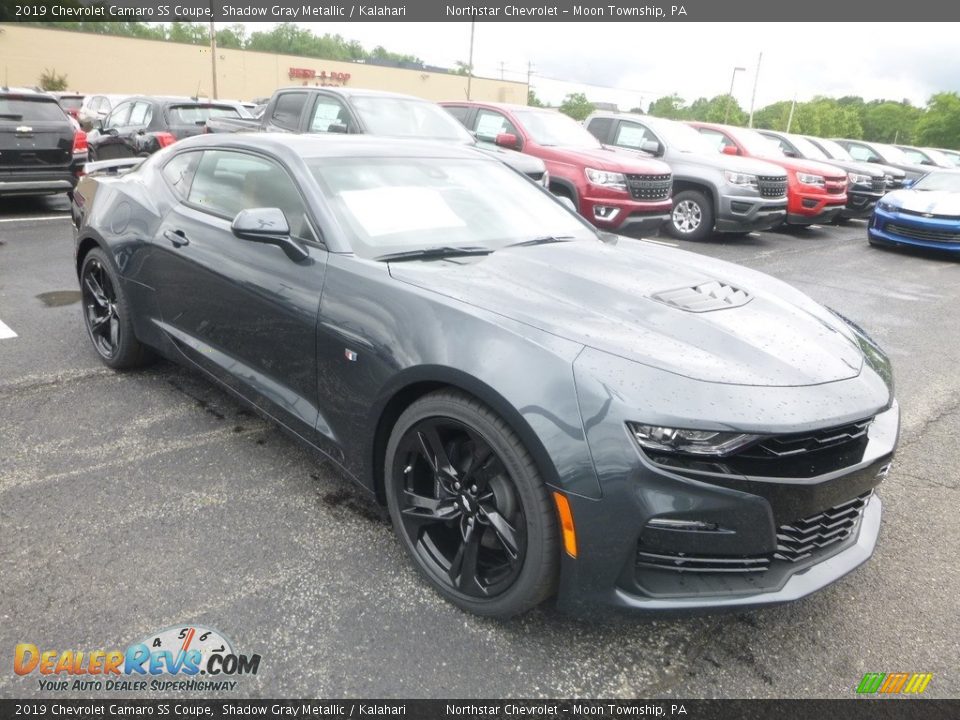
(507, 140)
(729, 150)
(791, 154)
(651, 146)
(268, 225)
(96, 124)
(337, 128)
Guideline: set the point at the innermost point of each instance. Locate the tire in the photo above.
(692, 216)
(107, 313)
(499, 522)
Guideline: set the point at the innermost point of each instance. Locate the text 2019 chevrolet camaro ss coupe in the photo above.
(544, 410)
(925, 215)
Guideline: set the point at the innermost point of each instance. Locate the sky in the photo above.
(632, 64)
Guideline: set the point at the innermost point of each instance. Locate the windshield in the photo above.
(682, 138)
(405, 117)
(552, 128)
(199, 114)
(951, 156)
(807, 148)
(756, 144)
(892, 154)
(391, 205)
(943, 181)
(15, 109)
(835, 151)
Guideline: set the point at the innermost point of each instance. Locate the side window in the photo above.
(140, 115)
(490, 124)
(329, 112)
(459, 112)
(179, 172)
(862, 152)
(119, 116)
(717, 138)
(227, 182)
(632, 135)
(600, 128)
(289, 108)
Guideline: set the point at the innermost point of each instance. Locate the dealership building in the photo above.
(122, 65)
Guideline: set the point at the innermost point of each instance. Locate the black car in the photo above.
(41, 152)
(544, 410)
(893, 176)
(867, 182)
(139, 126)
(883, 154)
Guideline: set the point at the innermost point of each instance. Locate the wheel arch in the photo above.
(85, 245)
(418, 382)
(706, 188)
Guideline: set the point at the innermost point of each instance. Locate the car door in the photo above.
(330, 115)
(287, 111)
(140, 117)
(491, 123)
(636, 136)
(863, 153)
(243, 311)
(111, 141)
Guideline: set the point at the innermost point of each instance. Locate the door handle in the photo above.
(176, 237)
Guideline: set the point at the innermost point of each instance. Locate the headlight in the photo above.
(808, 179)
(885, 205)
(857, 179)
(690, 442)
(613, 180)
(741, 179)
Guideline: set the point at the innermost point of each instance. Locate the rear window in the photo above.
(22, 109)
(198, 114)
(71, 103)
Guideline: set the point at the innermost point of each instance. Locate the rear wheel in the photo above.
(692, 216)
(469, 506)
(106, 315)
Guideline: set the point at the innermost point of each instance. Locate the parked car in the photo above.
(139, 126)
(614, 189)
(893, 176)
(711, 192)
(347, 111)
(866, 183)
(952, 155)
(925, 156)
(70, 102)
(816, 192)
(926, 215)
(97, 107)
(545, 410)
(41, 153)
(884, 155)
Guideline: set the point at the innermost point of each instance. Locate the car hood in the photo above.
(627, 299)
(614, 159)
(935, 202)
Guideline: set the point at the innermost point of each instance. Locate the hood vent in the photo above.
(713, 295)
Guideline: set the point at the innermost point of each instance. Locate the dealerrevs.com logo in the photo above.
(190, 658)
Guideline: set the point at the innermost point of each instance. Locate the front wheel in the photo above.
(469, 506)
(692, 216)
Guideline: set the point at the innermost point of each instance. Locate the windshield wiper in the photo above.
(433, 253)
(542, 240)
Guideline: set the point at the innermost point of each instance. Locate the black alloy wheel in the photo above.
(469, 507)
(106, 315)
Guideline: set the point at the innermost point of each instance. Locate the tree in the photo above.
(51, 81)
(462, 68)
(637, 111)
(670, 106)
(576, 106)
(940, 124)
(533, 100)
(719, 109)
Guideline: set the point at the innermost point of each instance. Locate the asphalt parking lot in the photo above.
(136, 501)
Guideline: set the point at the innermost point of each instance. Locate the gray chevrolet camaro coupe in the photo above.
(546, 411)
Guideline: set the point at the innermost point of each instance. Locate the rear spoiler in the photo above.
(117, 166)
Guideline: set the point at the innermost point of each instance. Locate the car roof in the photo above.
(309, 146)
(29, 92)
(497, 105)
(357, 92)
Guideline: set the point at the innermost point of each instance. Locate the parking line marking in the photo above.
(5, 331)
(660, 242)
(35, 219)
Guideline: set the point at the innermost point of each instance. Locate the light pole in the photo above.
(753, 97)
(473, 27)
(733, 76)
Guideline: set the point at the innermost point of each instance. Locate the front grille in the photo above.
(878, 185)
(772, 185)
(835, 186)
(894, 183)
(778, 446)
(916, 233)
(796, 541)
(649, 187)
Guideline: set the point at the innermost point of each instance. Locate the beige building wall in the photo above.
(106, 64)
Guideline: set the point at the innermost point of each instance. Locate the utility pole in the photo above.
(529, 73)
(753, 97)
(501, 69)
(473, 27)
(213, 56)
(793, 107)
(733, 76)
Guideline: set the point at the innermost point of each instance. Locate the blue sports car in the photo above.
(927, 214)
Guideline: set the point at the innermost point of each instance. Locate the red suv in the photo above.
(615, 190)
(816, 192)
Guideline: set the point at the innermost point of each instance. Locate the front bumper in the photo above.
(900, 229)
(860, 204)
(621, 214)
(746, 213)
